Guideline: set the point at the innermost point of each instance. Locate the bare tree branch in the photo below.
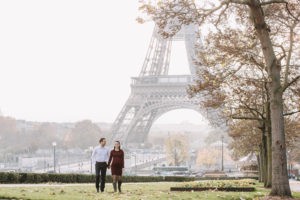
(246, 118)
(221, 14)
(288, 60)
(290, 83)
(241, 2)
(272, 1)
(224, 3)
(287, 8)
(291, 113)
(252, 110)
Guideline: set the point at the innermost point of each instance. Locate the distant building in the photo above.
(34, 163)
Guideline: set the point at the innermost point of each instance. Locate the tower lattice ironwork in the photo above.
(155, 92)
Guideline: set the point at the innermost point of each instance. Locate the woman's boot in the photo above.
(115, 186)
(119, 186)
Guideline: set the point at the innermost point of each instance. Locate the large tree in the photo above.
(170, 15)
(84, 134)
(248, 139)
(176, 147)
(209, 158)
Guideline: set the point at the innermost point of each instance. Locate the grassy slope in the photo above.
(130, 191)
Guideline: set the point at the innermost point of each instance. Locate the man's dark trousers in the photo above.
(100, 170)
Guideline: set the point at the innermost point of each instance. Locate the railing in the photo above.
(169, 79)
(147, 164)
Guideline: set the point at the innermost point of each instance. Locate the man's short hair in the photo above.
(101, 139)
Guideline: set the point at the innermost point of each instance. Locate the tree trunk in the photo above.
(264, 156)
(259, 161)
(280, 182)
(269, 147)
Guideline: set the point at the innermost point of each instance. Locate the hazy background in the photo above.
(65, 69)
(69, 60)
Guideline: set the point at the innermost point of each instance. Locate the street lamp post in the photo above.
(135, 164)
(135, 168)
(143, 152)
(54, 160)
(91, 149)
(222, 164)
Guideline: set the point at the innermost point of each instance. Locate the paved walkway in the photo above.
(295, 185)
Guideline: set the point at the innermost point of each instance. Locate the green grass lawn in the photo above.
(139, 191)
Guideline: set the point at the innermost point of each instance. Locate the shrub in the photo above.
(9, 177)
(6, 177)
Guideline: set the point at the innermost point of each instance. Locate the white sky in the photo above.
(69, 60)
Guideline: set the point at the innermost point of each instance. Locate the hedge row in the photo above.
(225, 178)
(12, 177)
(226, 189)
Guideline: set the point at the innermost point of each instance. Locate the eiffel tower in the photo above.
(155, 92)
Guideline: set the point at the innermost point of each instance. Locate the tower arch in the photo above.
(155, 92)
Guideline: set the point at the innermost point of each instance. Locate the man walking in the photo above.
(100, 157)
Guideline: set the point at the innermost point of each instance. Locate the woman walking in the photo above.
(116, 163)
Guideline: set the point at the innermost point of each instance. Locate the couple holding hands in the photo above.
(104, 160)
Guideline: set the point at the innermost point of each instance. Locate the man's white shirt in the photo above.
(100, 154)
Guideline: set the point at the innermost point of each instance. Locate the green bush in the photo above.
(225, 178)
(45, 178)
(178, 179)
(9, 177)
(6, 177)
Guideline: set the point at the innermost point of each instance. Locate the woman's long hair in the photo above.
(119, 145)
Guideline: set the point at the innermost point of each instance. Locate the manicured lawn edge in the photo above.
(227, 189)
(8, 198)
(224, 178)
